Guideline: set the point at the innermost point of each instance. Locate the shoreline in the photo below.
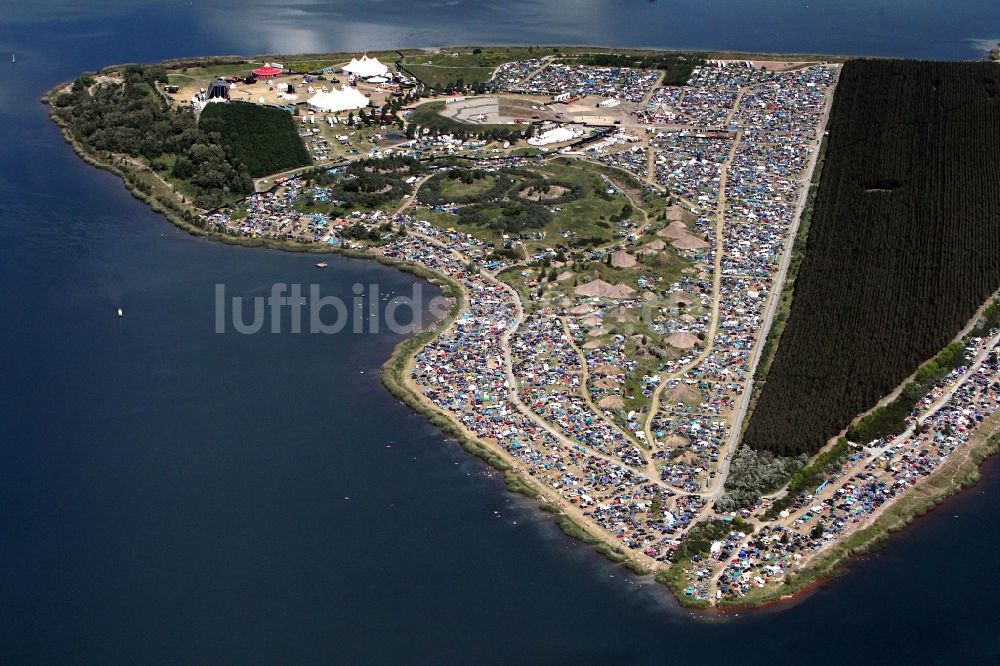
(392, 375)
(797, 586)
(895, 518)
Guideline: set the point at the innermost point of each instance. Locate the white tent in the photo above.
(344, 99)
(554, 135)
(366, 67)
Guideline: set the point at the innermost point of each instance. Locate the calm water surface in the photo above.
(172, 495)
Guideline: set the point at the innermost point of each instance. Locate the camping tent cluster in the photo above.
(344, 99)
(366, 67)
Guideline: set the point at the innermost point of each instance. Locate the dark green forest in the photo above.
(904, 245)
(263, 138)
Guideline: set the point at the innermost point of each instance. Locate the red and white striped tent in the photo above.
(268, 71)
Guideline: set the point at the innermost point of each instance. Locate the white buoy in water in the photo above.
(120, 313)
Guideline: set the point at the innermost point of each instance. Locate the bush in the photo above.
(509, 217)
(700, 537)
(755, 473)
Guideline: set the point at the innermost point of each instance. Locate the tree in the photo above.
(183, 169)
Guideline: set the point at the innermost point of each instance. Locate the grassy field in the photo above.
(182, 73)
(311, 66)
(315, 62)
(360, 138)
(454, 189)
(440, 69)
(444, 220)
(205, 75)
(475, 65)
(587, 217)
(444, 77)
(652, 201)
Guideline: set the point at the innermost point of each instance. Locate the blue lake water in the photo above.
(168, 494)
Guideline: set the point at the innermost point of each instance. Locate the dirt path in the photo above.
(909, 378)
(548, 59)
(736, 106)
(139, 165)
(936, 406)
(585, 393)
(772, 303)
(514, 385)
(265, 183)
(650, 161)
(652, 91)
(720, 214)
(949, 472)
(412, 199)
(737, 417)
(921, 489)
(512, 380)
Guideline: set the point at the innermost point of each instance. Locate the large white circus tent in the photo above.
(343, 99)
(366, 67)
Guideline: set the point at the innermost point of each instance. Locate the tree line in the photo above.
(677, 66)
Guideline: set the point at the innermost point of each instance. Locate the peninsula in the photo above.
(642, 250)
